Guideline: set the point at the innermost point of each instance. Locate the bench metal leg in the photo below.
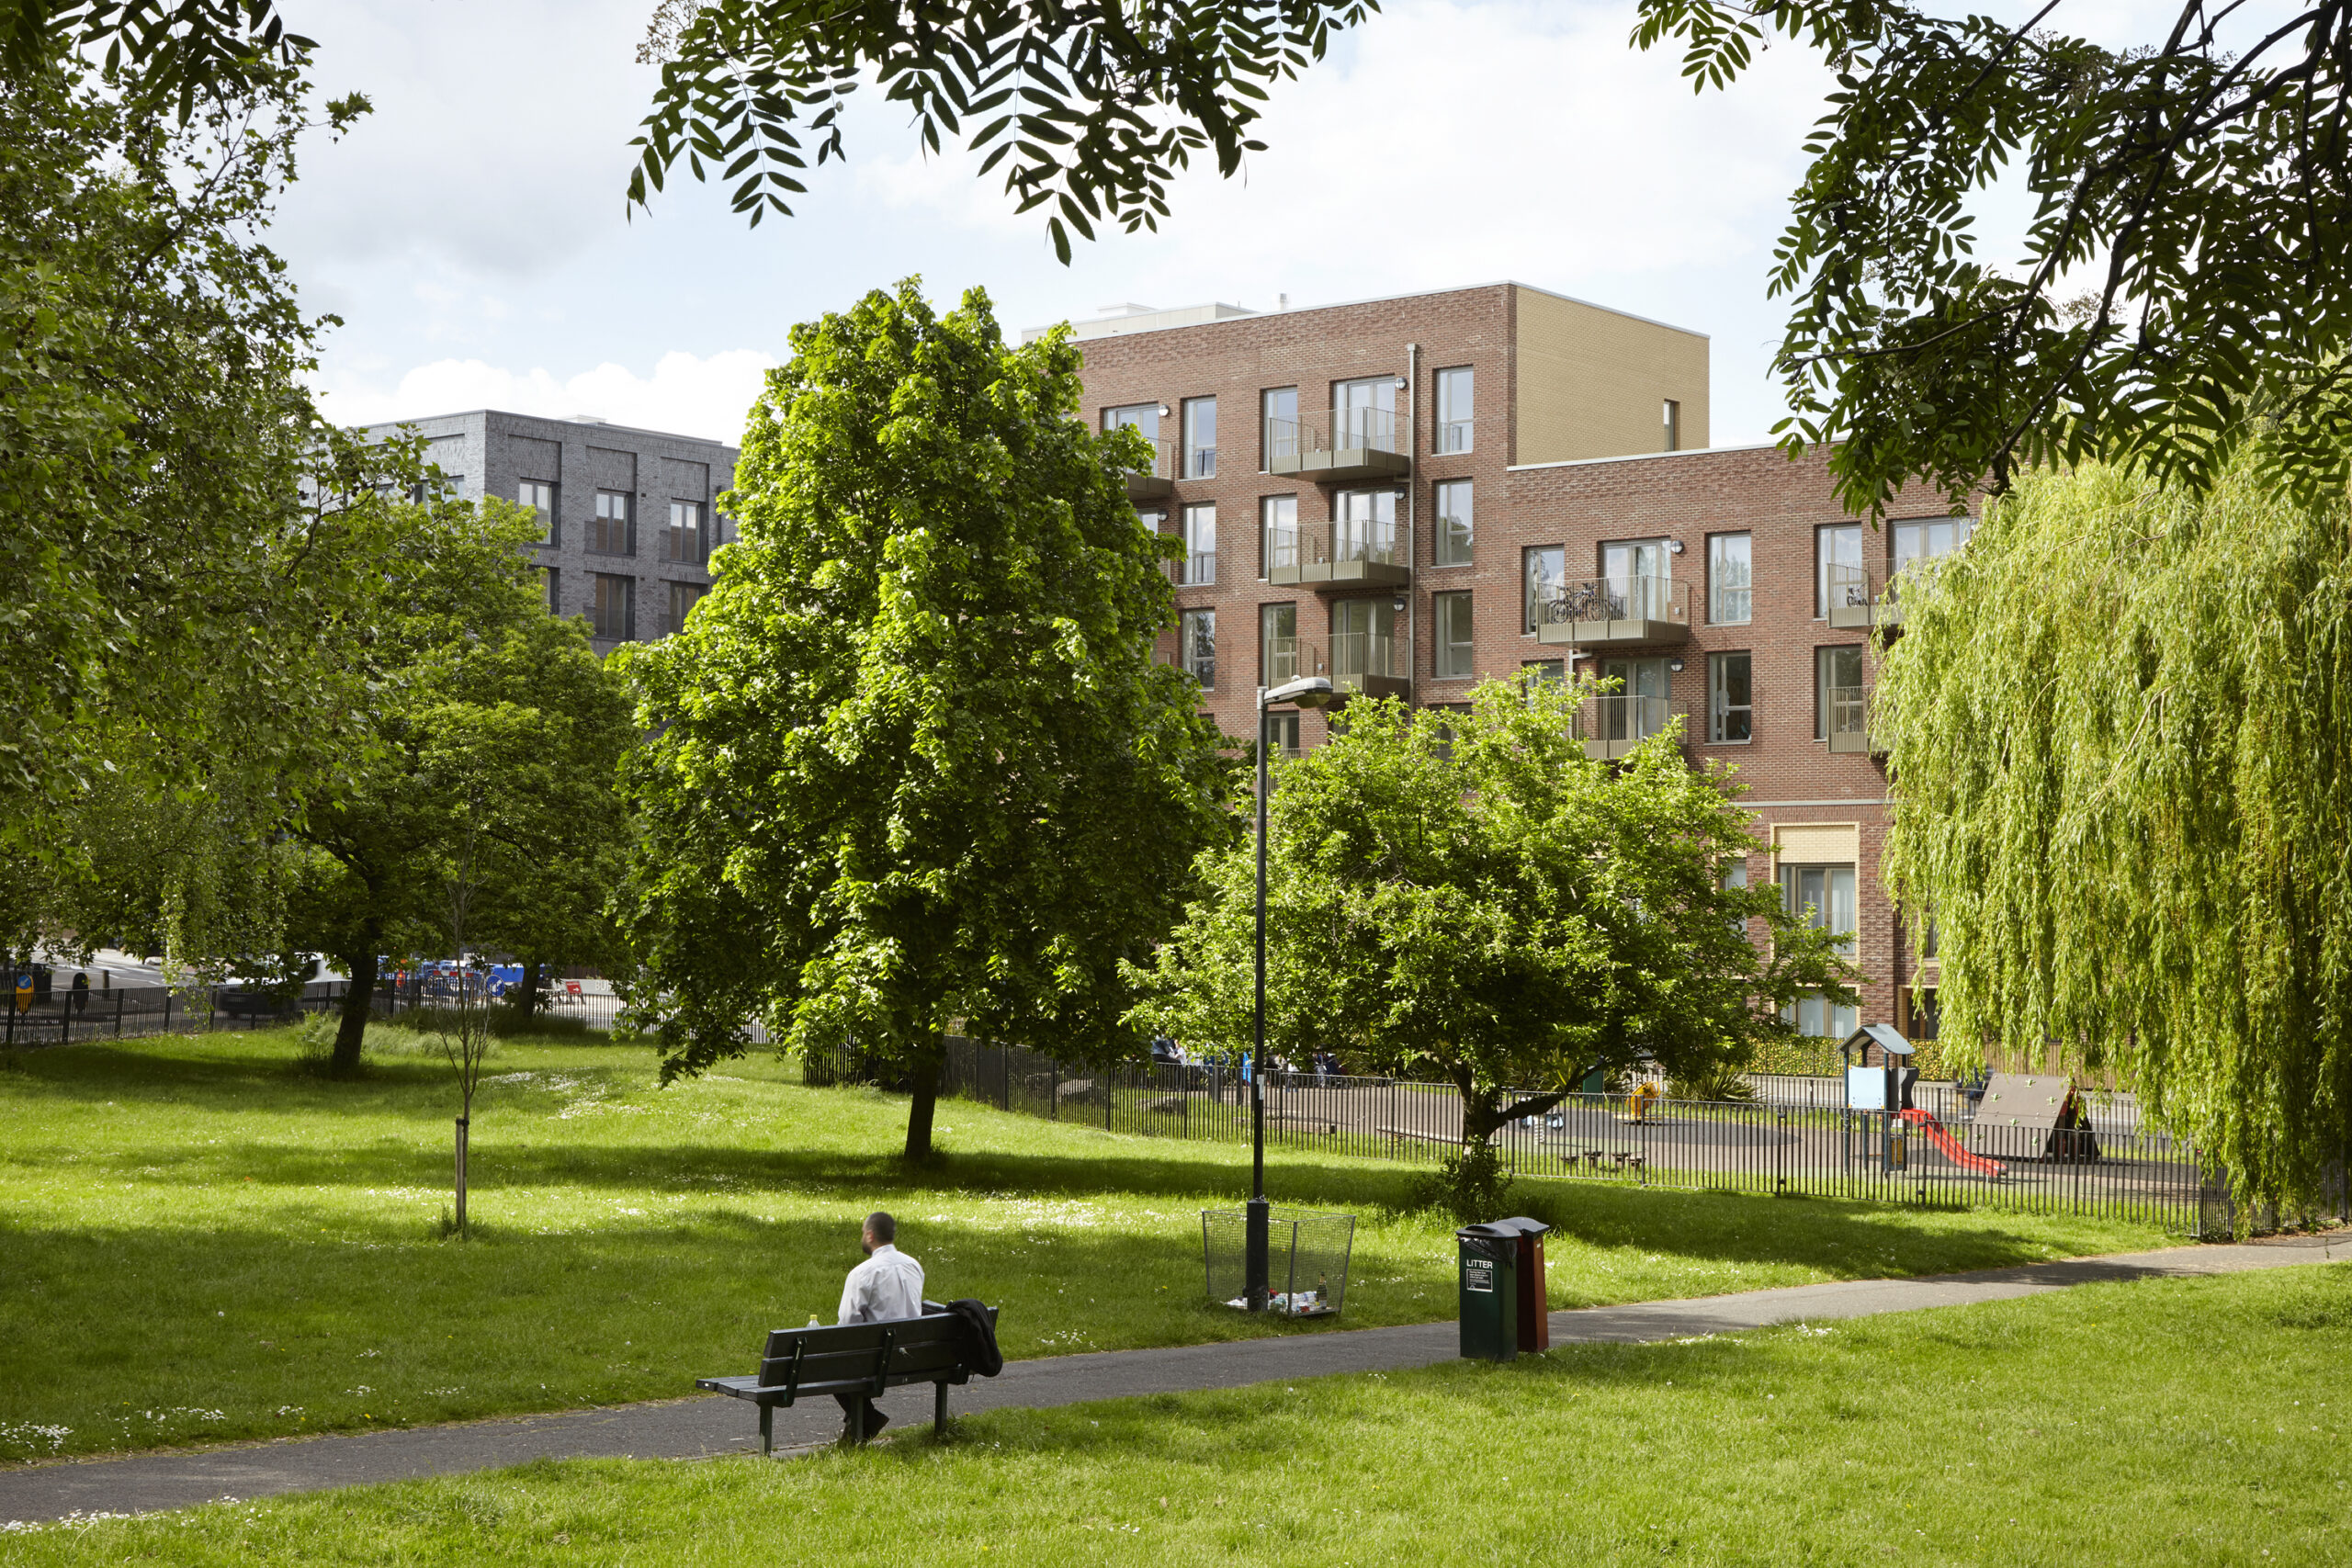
(857, 1422)
(938, 1409)
(767, 1427)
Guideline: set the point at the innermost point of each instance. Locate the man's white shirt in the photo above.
(887, 1284)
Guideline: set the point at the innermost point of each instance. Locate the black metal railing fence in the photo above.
(1791, 1139)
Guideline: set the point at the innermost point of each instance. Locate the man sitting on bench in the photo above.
(888, 1285)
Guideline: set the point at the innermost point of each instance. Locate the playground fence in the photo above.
(1939, 1155)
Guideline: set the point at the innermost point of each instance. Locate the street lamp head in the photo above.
(1307, 692)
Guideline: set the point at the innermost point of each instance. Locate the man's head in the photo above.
(881, 1230)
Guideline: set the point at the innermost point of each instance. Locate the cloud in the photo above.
(684, 395)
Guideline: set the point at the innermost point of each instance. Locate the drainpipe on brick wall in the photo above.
(1413, 524)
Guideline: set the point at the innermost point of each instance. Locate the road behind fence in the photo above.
(127, 1012)
(1796, 1138)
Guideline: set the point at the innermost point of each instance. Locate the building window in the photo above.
(1196, 646)
(683, 597)
(1277, 425)
(1546, 671)
(609, 532)
(539, 496)
(1836, 690)
(1363, 643)
(1363, 526)
(1673, 426)
(1734, 878)
(1449, 717)
(1279, 655)
(1840, 581)
(1364, 414)
(684, 543)
(1144, 417)
(1640, 573)
(1822, 898)
(1200, 438)
(614, 615)
(1730, 579)
(1544, 572)
(551, 588)
(1918, 544)
(1279, 543)
(1454, 653)
(1731, 705)
(1199, 563)
(1454, 411)
(1454, 528)
(1281, 733)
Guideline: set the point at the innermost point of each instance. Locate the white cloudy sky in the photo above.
(472, 234)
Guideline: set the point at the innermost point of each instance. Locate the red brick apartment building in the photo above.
(1409, 494)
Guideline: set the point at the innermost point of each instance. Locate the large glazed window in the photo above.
(1277, 425)
(1456, 654)
(1730, 579)
(608, 531)
(1200, 438)
(1280, 546)
(1840, 581)
(1280, 660)
(682, 541)
(1543, 570)
(1455, 421)
(1198, 566)
(1457, 530)
(613, 617)
(1731, 699)
(1196, 646)
(1836, 690)
(539, 496)
(1822, 897)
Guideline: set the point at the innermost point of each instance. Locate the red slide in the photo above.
(1951, 1145)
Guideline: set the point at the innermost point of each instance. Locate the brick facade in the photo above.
(1824, 804)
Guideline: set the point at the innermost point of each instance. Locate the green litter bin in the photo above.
(1489, 1291)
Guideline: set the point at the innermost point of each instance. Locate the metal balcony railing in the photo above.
(1845, 715)
(1155, 479)
(1612, 724)
(1845, 596)
(1350, 553)
(1370, 662)
(1344, 443)
(1289, 658)
(1615, 609)
(1196, 569)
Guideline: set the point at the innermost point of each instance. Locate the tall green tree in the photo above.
(190, 545)
(2120, 727)
(488, 722)
(911, 765)
(1479, 901)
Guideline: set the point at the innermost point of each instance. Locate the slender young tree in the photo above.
(911, 765)
(1480, 902)
(2120, 727)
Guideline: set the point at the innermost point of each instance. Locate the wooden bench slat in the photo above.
(858, 1359)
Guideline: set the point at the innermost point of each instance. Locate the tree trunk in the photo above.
(533, 979)
(358, 1003)
(926, 1078)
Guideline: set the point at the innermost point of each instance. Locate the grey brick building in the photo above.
(630, 513)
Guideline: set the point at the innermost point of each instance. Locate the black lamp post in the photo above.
(1309, 691)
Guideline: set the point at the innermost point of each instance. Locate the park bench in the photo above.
(858, 1359)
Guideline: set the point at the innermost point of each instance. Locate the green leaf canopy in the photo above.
(912, 762)
(1469, 895)
(2121, 727)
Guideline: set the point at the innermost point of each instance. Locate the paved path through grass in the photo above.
(702, 1427)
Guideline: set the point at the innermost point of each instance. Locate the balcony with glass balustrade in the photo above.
(1345, 445)
(1604, 611)
(1333, 557)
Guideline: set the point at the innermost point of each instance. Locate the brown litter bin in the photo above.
(1534, 1317)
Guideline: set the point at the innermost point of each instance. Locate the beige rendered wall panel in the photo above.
(1819, 844)
(1593, 383)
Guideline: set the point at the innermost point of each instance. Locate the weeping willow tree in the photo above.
(2121, 728)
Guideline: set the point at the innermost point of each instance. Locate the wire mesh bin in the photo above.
(1306, 1260)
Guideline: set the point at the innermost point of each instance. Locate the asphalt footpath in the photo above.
(707, 1426)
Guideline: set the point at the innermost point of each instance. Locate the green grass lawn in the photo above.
(2192, 1422)
(199, 1244)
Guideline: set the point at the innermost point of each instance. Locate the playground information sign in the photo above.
(1865, 1089)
